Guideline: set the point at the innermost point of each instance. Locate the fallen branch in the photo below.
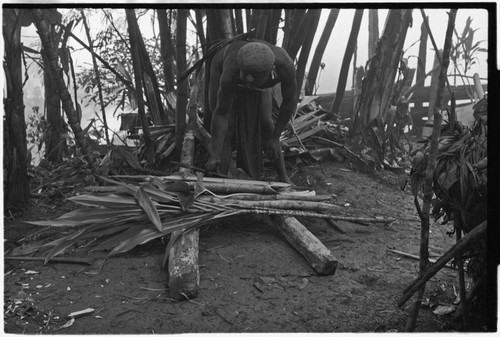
(459, 248)
(415, 257)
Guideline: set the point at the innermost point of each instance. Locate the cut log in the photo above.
(316, 254)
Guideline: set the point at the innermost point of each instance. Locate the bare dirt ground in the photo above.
(252, 280)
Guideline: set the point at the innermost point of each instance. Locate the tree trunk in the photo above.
(238, 15)
(97, 78)
(422, 59)
(180, 116)
(200, 31)
(259, 22)
(306, 48)
(214, 25)
(53, 140)
(293, 17)
(150, 82)
(15, 149)
(320, 50)
(344, 71)
(167, 49)
(298, 33)
(272, 26)
(372, 31)
(61, 87)
(132, 31)
(381, 72)
(227, 23)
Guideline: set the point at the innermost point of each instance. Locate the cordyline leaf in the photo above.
(145, 235)
(108, 201)
(127, 234)
(148, 207)
(82, 217)
(64, 244)
(158, 195)
(130, 158)
(129, 187)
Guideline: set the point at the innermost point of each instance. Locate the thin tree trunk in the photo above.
(132, 24)
(53, 140)
(293, 17)
(320, 50)
(298, 33)
(344, 70)
(259, 22)
(248, 16)
(167, 49)
(200, 31)
(306, 48)
(97, 78)
(422, 59)
(272, 26)
(227, 23)
(214, 25)
(180, 117)
(372, 31)
(15, 148)
(150, 82)
(62, 89)
(238, 15)
(429, 173)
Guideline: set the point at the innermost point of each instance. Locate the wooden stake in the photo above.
(459, 248)
(183, 269)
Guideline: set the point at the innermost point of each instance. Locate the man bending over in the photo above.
(240, 99)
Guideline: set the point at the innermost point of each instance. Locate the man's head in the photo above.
(256, 60)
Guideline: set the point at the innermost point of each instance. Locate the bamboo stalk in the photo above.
(277, 204)
(221, 181)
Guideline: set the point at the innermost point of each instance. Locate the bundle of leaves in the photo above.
(460, 178)
(120, 217)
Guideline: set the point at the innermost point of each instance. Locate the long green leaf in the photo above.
(83, 217)
(145, 235)
(64, 244)
(125, 235)
(148, 207)
(108, 201)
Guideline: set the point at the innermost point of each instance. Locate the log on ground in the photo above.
(310, 247)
